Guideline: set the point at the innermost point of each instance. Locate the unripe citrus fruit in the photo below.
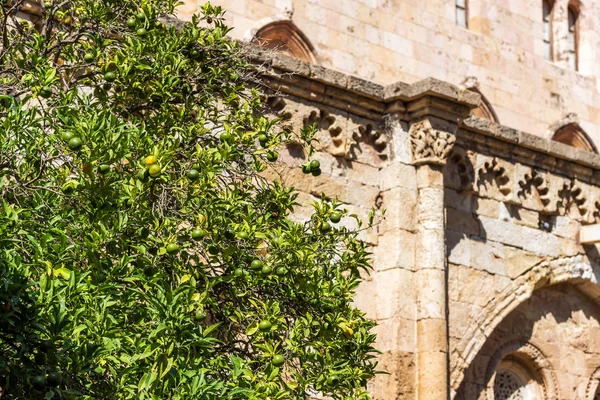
(110, 76)
(325, 227)
(75, 143)
(142, 32)
(256, 265)
(315, 172)
(272, 156)
(198, 234)
(103, 168)
(38, 382)
(131, 23)
(315, 164)
(53, 379)
(335, 217)
(172, 248)
(154, 170)
(193, 174)
(225, 137)
(266, 270)
(46, 92)
(278, 360)
(264, 326)
(88, 57)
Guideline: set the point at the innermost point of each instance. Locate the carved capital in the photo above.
(430, 145)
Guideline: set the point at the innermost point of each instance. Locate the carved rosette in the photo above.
(429, 145)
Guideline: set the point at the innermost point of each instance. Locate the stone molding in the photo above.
(532, 358)
(593, 385)
(410, 101)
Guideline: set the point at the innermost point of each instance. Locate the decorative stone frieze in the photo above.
(571, 199)
(492, 173)
(534, 186)
(459, 174)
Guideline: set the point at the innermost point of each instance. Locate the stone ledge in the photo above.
(532, 142)
(375, 99)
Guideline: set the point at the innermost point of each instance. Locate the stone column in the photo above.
(431, 142)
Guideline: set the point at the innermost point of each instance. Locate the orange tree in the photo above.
(142, 255)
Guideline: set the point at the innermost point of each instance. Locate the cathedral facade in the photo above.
(475, 124)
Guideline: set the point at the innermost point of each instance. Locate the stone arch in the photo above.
(593, 389)
(485, 109)
(575, 270)
(573, 135)
(533, 363)
(282, 35)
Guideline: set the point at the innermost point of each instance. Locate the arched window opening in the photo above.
(485, 109)
(462, 14)
(573, 135)
(515, 381)
(285, 37)
(547, 20)
(573, 39)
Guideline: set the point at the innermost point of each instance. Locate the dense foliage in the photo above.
(142, 255)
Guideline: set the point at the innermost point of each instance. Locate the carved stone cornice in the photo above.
(430, 145)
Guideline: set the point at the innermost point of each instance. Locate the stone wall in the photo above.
(478, 270)
(407, 40)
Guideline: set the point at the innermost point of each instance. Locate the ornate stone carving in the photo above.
(571, 195)
(322, 120)
(459, 174)
(348, 142)
(534, 184)
(277, 105)
(429, 145)
(508, 387)
(492, 172)
(365, 134)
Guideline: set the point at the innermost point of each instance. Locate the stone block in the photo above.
(520, 261)
(396, 249)
(398, 174)
(395, 294)
(400, 205)
(461, 221)
(431, 296)
(459, 200)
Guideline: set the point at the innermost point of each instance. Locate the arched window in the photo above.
(573, 39)
(485, 109)
(547, 20)
(285, 37)
(514, 380)
(573, 135)
(462, 13)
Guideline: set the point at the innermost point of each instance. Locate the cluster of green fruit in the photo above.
(137, 23)
(334, 217)
(74, 142)
(258, 266)
(312, 167)
(53, 378)
(272, 155)
(265, 326)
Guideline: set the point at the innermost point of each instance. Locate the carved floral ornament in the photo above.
(343, 136)
(429, 145)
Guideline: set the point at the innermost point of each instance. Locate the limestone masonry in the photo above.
(475, 125)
